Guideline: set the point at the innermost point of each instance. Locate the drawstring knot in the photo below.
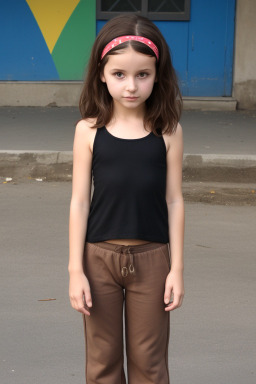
(131, 266)
(125, 271)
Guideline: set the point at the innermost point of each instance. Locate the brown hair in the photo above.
(164, 105)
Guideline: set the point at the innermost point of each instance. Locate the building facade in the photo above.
(45, 46)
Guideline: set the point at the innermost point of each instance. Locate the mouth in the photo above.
(131, 98)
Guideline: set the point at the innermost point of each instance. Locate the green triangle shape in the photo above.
(72, 50)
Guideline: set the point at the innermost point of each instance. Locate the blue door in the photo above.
(210, 48)
(202, 48)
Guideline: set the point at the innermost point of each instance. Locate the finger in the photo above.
(79, 305)
(83, 308)
(88, 298)
(171, 307)
(175, 304)
(84, 311)
(167, 295)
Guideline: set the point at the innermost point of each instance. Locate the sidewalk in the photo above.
(37, 142)
(42, 341)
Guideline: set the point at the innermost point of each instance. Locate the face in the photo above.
(130, 77)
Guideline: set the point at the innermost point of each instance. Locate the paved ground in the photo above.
(212, 336)
(52, 129)
(218, 147)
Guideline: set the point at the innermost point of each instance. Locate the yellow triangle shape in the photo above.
(52, 16)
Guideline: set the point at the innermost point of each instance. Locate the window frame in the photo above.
(178, 16)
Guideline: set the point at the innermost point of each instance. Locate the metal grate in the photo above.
(153, 9)
(121, 6)
(166, 6)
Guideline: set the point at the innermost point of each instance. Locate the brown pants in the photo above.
(134, 275)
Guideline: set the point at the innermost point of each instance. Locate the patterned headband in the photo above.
(122, 39)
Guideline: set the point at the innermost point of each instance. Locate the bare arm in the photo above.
(79, 289)
(176, 219)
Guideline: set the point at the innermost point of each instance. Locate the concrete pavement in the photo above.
(37, 142)
(212, 335)
(211, 338)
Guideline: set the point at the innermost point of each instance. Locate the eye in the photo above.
(142, 75)
(119, 75)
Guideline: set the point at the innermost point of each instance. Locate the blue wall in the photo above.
(45, 40)
(202, 48)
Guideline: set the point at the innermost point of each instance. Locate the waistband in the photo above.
(129, 248)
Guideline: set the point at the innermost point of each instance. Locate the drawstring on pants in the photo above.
(124, 270)
(131, 266)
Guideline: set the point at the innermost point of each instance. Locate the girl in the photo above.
(130, 138)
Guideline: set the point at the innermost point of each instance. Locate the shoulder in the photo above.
(85, 125)
(174, 139)
(85, 132)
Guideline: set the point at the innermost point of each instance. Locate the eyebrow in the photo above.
(140, 70)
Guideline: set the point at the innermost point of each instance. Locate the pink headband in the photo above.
(122, 39)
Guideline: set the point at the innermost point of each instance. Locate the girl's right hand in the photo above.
(80, 292)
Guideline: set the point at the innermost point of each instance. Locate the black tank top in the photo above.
(129, 198)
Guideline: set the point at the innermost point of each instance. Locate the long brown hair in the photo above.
(164, 105)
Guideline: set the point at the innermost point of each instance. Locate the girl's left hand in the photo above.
(174, 284)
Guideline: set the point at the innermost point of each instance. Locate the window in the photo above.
(153, 9)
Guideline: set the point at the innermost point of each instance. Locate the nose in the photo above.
(131, 84)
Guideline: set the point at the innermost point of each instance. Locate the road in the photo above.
(212, 338)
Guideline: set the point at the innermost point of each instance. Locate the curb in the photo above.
(220, 160)
(57, 165)
(49, 165)
(219, 168)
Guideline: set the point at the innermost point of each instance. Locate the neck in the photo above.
(122, 113)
